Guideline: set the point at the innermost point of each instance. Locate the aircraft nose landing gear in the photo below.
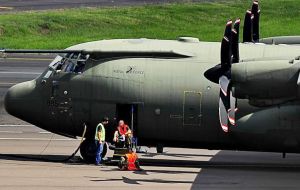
(88, 150)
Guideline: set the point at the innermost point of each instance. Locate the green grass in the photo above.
(62, 28)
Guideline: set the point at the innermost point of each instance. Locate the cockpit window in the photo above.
(74, 63)
(70, 63)
(54, 63)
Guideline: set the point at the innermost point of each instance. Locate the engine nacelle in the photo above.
(265, 80)
(270, 129)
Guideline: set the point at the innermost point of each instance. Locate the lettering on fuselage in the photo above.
(129, 70)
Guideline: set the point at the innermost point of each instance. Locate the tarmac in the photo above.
(29, 5)
(31, 158)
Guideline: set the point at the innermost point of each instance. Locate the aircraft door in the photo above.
(192, 108)
(128, 113)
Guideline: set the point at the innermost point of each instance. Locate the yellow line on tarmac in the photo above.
(8, 8)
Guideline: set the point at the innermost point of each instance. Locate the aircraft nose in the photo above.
(20, 100)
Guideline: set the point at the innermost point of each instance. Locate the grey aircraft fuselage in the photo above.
(174, 103)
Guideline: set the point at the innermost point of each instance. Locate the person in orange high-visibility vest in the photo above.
(132, 161)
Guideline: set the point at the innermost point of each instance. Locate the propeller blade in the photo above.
(256, 13)
(224, 83)
(235, 41)
(226, 47)
(232, 109)
(248, 27)
(224, 102)
(223, 113)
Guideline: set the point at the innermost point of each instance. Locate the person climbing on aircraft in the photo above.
(100, 139)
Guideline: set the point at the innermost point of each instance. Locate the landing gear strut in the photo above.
(159, 148)
(88, 150)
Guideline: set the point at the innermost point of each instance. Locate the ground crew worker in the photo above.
(129, 162)
(100, 139)
(132, 161)
(122, 135)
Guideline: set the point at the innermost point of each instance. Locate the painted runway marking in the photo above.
(45, 132)
(26, 59)
(24, 73)
(10, 125)
(7, 83)
(12, 132)
(38, 139)
(7, 8)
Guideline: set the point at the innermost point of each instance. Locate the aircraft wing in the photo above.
(107, 54)
(288, 40)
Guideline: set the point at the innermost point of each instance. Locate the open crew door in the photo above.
(128, 113)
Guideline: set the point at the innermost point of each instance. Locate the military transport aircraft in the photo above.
(172, 92)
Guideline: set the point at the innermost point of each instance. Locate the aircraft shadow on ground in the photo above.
(137, 181)
(213, 173)
(148, 171)
(248, 170)
(152, 155)
(211, 164)
(38, 157)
